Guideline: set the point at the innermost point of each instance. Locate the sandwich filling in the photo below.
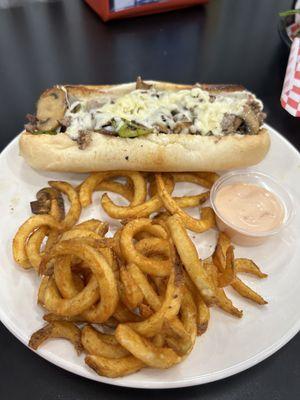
(147, 110)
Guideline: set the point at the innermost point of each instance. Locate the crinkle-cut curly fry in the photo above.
(68, 284)
(114, 368)
(42, 289)
(57, 329)
(223, 301)
(103, 278)
(168, 310)
(188, 313)
(143, 209)
(228, 275)
(207, 220)
(143, 349)
(149, 207)
(219, 259)
(73, 214)
(141, 280)
(24, 232)
(95, 225)
(91, 182)
(122, 314)
(245, 291)
(131, 255)
(212, 177)
(153, 246)
(133, 295)
(191, 178)
(124, 190)
(82, 234)
(33, 246)
(190, 259)
(203, 313)
(50, 317)
(100, 344)
(62, 268)
(174, 326)
(249, 267)
(74, 306)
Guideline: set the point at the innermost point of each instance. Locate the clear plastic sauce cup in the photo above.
(241, 236)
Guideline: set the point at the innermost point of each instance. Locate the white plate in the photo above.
(229, 346)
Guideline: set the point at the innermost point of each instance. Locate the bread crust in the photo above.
(154, 152)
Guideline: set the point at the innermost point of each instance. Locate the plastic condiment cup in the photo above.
(236, 234)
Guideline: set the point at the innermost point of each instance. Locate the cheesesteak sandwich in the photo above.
(145, 126)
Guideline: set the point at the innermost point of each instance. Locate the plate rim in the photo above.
(183, 382)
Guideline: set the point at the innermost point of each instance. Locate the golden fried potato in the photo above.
(57, 329)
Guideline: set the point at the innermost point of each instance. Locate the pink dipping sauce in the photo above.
(249, 208)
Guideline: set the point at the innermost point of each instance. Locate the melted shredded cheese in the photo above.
(151, 108)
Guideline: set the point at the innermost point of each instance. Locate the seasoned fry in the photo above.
(114, 368)
(203, 315)
(57, 329)
(53, 236)
(42, 289)
(99, 344)
(143, 349)
(153, 246)
(133, 294)
(104, 278)
(49, 201)
(247, 292)
(191, 201)
(227, 276)
(189, 319)
(95, 225)
(218, 256)
(158, 340)
(149, 293)
(148, 207)
(189, 257)
(23, 233)
(208, 176)
(219, 260)
(146, 264)
(53, 317)
(116, 187)
(223, 301)
(73, 214)
(143, 209)
(90, 184)
(192, 178)
(33, 246)
(82, 234)
(207, 220)
(146, 286)
(249, 267)
(154, 301)
(145, 311)
(68, 284)
(70, 306)
(168, 310)
(122, 212)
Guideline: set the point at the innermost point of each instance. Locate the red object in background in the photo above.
(114, 9)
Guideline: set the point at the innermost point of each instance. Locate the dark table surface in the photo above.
(228, 41)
